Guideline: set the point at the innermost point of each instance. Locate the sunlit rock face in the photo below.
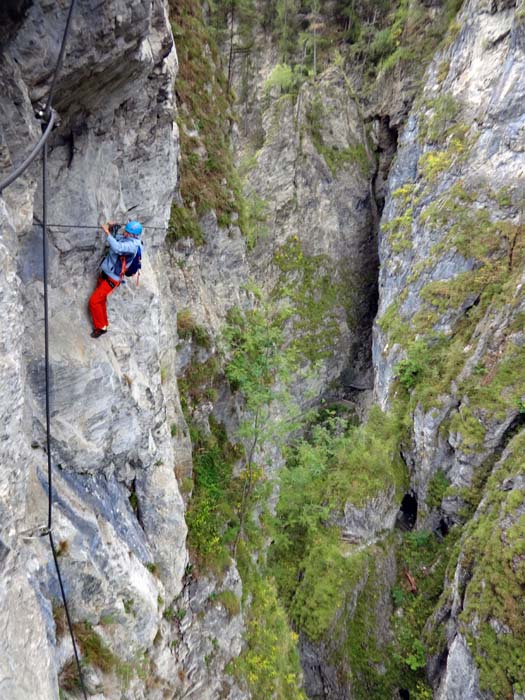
(112, 156)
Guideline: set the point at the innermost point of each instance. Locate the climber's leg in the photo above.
(97, 303)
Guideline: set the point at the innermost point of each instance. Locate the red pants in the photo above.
(97, 302)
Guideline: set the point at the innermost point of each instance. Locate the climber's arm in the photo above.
(121, 247)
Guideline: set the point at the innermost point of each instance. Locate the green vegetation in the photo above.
(494, 555)
(479, 225)
(255, 217)
(319, 576)
(230, 601)
(198, 383)
(433, 360)
(437, 488)
(260, 366)
(329, 577)
(439, 119)
(375, 35)
(153, 568)
(134, 501)
(311, 288)
(362, 654)
(336, 158)
(439, 128)
(212, 516)
(422, 561)
(411, 370)
(169, 613)
(284, 78)
(207, 165)
(270, 662)
(336, 465)
(383, 35)
(398, 230)
(227, 515)
(95, 652)
(187, 329)
(208, 177)
(311, 574)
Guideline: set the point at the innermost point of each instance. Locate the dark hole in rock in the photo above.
(11, 15)
(443, 527)
(404, 694)
(407, 516)
(13, 9)
(387, 135)
(514, 427)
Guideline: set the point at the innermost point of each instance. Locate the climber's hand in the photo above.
(106, 227)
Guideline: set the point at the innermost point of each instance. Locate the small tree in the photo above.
(260, 366)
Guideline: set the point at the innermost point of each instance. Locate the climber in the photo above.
(122, 258)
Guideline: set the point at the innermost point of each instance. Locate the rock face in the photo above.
(461, 678)
(314, 171)
(118, 514)
(311, 174)
(447, 334)
(333, 667)
(419, 255)
(449, 342)
(366, 524)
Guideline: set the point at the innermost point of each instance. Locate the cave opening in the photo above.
(404, 694)
(407, 516)
(442, 528)
(516, 425)
(387, 138)
(11, 14)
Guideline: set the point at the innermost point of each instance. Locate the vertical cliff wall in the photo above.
(119, 520)
(449, 335)
(272, 252)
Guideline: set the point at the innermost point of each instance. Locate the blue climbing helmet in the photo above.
(134, 228)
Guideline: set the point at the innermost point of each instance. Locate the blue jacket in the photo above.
(119, 245)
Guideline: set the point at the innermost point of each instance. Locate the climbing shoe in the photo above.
(98, 332)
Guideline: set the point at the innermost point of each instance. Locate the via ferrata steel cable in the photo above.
(47, 113)
(31, 157)
(86, 226)
(47, 110)
(48, 120)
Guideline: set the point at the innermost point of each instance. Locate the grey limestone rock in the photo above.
(484, 78)
(460, 681)
(114, 152)
(366, 524)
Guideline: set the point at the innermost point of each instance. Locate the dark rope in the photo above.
(46, 339)
(58, 66)
(79, 226)
(66, 608)
(47, 113)
(31, 157)
(48, 120)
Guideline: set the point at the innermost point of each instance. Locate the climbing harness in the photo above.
(135, 260)
(47, 117)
